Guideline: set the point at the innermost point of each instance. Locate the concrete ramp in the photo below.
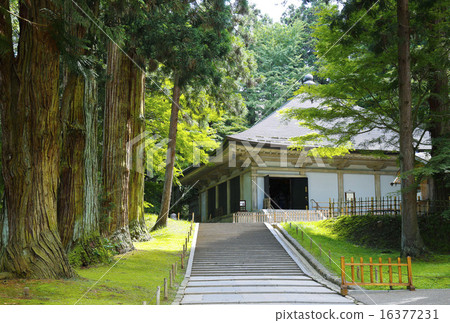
(245, 264)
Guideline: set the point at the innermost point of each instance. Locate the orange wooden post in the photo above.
(399, 270)
(381, 271)
(390, 273)
(362, 270)
(352, 269)
(410, 282)
(371, 270)
(344, 290)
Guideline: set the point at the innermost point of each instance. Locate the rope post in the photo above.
(158, 295)
(175, 270)
(344, 290)
(26, 292)
(182, 261)
(302, 236)
(166, 292)
(178, 217)
(171, 278)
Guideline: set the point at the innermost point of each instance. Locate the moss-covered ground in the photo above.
(131, 278)
(431, 272)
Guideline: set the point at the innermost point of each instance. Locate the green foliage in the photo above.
(384, 232)
(187, 38)
(428, 273)
(228, 124)
(133, 279)
(90, 251)
(152, 195)
(281, 58)
(284, 53)
(362, 95)
(194, 138)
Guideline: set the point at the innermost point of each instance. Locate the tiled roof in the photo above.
(276, 130)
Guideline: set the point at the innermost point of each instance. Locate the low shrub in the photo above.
(384, 231)
(91, 250)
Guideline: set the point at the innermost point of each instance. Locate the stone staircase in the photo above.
(246, 264)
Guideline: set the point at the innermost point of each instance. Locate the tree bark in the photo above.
(31, 246)
(90, 222)
(170, 159)
(439, 131)
(71, 192)
(138, 228)
(78, 213)
(116, 135)
(411, 241)
(78, 189)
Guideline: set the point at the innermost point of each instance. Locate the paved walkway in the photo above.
(402, 297)
(246, 264)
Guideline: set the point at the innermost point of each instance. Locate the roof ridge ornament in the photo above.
(309, 79)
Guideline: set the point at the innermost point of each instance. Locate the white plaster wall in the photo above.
(322, 187)
(260, 192)
(247, 192)
(386, 188)
(203, 206)
(363, 185)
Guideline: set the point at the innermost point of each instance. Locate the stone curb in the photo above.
(324, 272)
(187, 275)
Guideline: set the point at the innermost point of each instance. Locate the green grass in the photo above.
(132, 280)
(432, 272)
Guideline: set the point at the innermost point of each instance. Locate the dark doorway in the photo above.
(235, 194)
(280, 193)
(299, 193)
(211, 202)
(222, 199)
(287, 193)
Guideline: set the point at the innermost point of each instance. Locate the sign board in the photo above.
(242, 205)
(349, 196)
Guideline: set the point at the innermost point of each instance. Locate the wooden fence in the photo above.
(373, 206)
(278, 216)
(372, 279)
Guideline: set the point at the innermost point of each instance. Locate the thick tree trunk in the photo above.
(31, 246)
(440, 132)
(71, 187)
(78, 189)
(138, 228)
(411, 241)
(170, 159)
(116, 136)
(90, 222)
(78, 216)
